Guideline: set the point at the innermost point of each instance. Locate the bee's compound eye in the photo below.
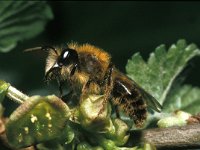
(68, 56)
(65, 54)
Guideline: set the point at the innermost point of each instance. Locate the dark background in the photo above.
(121, 28)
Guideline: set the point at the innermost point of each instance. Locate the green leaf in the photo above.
(158, 74)
(185, 98)
(37, 120)
(3, 89)
(20, 20)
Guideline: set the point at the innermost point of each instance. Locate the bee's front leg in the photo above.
(87, 85)
(86, 89)
(60, 85)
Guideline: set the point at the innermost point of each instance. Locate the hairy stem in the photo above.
(16, 95)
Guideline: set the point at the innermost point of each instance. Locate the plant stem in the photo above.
(170, 138)
(16, 95)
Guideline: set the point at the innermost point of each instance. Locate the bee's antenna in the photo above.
(45, 48)
(32, 49)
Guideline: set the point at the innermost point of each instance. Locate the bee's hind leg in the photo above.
(108, 85)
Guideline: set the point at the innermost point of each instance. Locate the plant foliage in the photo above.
(158, 75)
(20, 20)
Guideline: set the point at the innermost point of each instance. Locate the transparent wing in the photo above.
(150, 100)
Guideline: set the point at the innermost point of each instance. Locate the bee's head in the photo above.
(61, 62)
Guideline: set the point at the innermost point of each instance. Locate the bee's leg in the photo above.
(60, 84)
(108, 84)
(87, 85)
(108, 81)
(85, 89)
(68, 95)
(108, 75)
(117, 112)
(73, 70)
(71, 98)
(116, 103)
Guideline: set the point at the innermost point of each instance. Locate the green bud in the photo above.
(67, 135)
(38, 119)
(107, 144)
(119, 136)
(86, 146)
(50, 145)
(183, 115)
(93, 114)
(3, 89)
(178, 119)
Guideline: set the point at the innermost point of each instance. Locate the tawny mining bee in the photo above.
(89, 69)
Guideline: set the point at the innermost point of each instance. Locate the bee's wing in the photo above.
(150, 100)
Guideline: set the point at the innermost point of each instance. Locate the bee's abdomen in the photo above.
(130, 101)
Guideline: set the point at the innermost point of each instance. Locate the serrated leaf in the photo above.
(37, 120)
(185, 98)
(158, 74)
(20, 20)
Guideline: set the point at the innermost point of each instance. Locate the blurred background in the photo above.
(120, 28)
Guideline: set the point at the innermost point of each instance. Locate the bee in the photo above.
(90, 70)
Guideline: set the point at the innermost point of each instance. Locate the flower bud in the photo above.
(86, 146)
(94, 114)
(119, 136)
(178, 119)
(38, 119)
